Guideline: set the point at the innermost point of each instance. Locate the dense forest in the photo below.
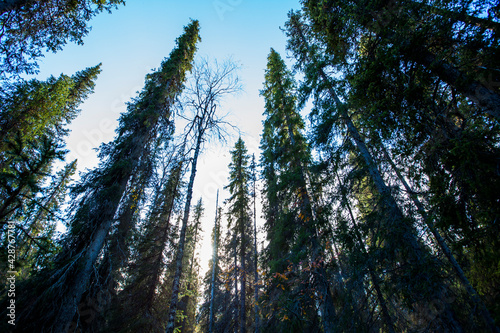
(378, 179)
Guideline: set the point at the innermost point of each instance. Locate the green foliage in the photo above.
(239, 225)
(103, 192)
(292, 213)
(33, 117)
(403, 78)
(31, 28)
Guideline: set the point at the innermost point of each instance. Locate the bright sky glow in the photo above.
(134, 39)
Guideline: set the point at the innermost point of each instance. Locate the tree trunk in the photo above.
(182, 239)
(255, 252)
(243, 286)
(442, 243)
(397, 220)
(214, 265)
(371, 270)
(326, 300)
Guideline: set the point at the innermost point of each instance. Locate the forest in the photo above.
(377, 181)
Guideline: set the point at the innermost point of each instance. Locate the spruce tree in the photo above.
(315, 68)
(253, 177)
(34, 116)
(188, 303)
(239, 219)
(294, 231)
(99, 194)
(37, 244)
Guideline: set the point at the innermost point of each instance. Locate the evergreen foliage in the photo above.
(99, 195)
(30, 28)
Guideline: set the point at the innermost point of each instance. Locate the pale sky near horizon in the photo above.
(135, 38)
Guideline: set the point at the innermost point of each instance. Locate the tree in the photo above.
(315, 68)
(239, 219)
(29, 28)
(465, 56)
(207, 88)
(253, 178)
(100, 192)
(37, 245)
(297, 227)
(34, 116)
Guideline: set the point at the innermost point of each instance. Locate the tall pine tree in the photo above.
(100, 191)
(292, 222)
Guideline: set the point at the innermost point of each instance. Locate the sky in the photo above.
(135, 38)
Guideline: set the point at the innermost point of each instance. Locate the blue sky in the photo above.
(134, 39)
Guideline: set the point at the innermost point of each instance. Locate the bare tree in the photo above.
(208, 85)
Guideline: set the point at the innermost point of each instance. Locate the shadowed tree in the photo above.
(293, 233)
(34, 117)
(99, 194)
(30, 28)
(239, 221)
(325, 89)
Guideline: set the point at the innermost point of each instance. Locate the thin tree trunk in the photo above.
(8, 5)
(243, 285)
(236, 295)
(182, 239)
(326, 300)
(185, 300)
(442, 243)
(256, 273)
(214, 265)
(371, 270)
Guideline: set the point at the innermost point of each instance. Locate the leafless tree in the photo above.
(209, 84)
